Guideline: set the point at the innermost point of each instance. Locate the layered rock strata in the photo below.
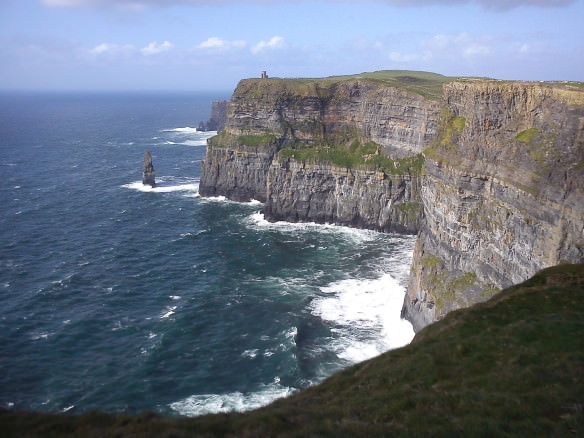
(361, 198)
(503, 194)
(266, 117)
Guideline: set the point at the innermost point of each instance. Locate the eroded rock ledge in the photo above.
(490, 173)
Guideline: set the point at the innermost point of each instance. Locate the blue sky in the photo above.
(205, 44)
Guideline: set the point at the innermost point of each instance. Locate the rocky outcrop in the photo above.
(148, 170)
(218, 117)
(503, 194)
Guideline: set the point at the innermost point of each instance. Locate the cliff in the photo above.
(351, 146)
(508, 367)
(325, 193)
(491, 173)
(503, 194)
(217, 119)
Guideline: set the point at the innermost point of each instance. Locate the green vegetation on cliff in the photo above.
(367, 156)
(511, 367)
(224, 139)
(424, 83)
(450, 129)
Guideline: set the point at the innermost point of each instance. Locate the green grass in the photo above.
(256, 140)
(424, 83)
(509, 367)
(527, 136)
(411, 210)
(224, 139)
(450, 129)
(367, 156)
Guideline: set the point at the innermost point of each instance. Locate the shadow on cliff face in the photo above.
(508, 367)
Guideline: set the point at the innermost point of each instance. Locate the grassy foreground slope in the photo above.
(509, 367)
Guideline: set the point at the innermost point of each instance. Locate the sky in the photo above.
(110, 45)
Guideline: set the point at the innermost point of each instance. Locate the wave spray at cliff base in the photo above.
(166, 185)
(345, 321)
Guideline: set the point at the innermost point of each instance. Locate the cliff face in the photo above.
(503, 194)
(400, 121)
(323, 193)
(496, 195)
(238, 172)
(354, 123)
(218, 117)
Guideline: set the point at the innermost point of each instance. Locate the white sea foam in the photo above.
(202, 142)
(169, 312)
(250, 353)
(186, 136)
(258, 221)
(186, 129)
(41, 335)
(188, 187)
(253, 202)
(366, 316)
(202, 404)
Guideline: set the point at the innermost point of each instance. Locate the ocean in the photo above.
(123, 298)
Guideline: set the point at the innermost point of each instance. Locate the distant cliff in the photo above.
(218, 117)
(491, 173)
(343, 150)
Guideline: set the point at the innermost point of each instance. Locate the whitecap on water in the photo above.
(40, 335)
(169, 312)
(202, 404)
(250, 353)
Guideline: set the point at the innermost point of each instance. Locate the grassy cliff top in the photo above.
(511, 366)
(423, 83)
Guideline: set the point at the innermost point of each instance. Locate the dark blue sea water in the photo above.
(122, 298)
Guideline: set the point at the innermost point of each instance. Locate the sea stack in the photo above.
(148, 172)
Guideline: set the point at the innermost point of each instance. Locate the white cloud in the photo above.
(220, 43)
(402, 57)
(276, 42)
(154, 48)
(476, 50)
(462, 44)
(111, 48)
